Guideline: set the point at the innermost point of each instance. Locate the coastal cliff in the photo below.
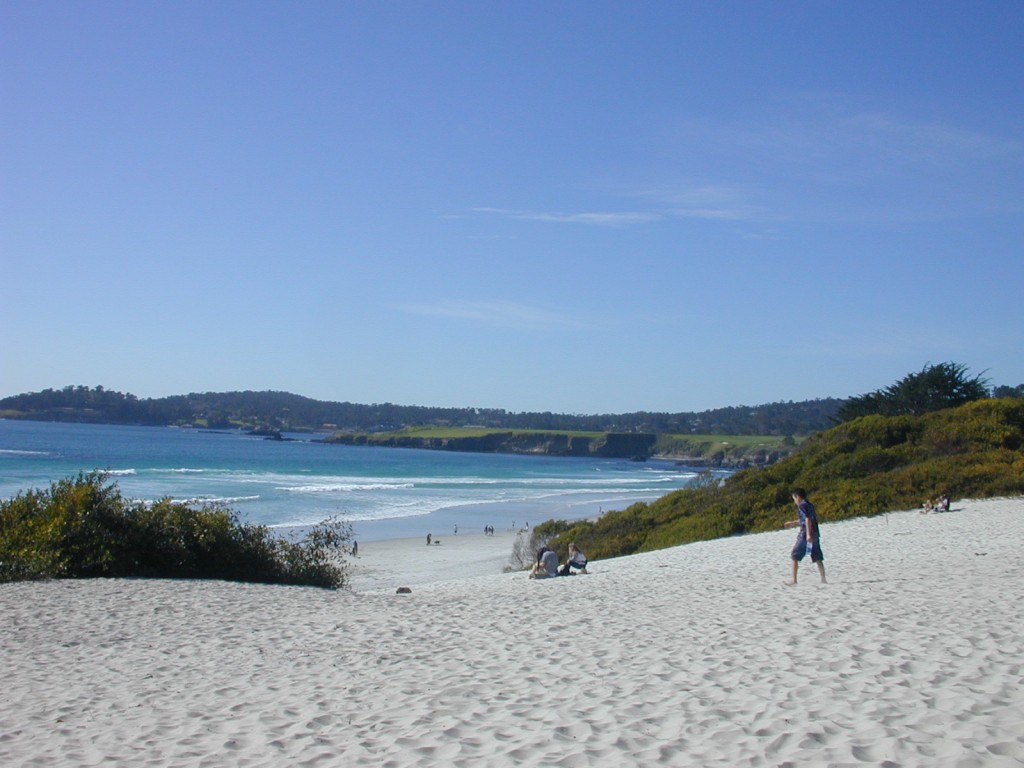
(612, 445)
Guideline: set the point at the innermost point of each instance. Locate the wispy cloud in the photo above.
(833, 158)
(606, 218)
(506, 314)
(822, 158)
(695, 200)
(672, 205)
(926, 143)
(881, 341)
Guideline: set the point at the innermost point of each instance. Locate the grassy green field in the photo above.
(733, 441)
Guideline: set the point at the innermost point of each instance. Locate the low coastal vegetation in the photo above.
(690, 449)
(863, 467)
(624, 445)
(725, 450)
(83, 527)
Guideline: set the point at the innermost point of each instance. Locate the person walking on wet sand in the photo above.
(808, 540)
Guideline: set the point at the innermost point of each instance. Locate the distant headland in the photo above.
(295, 413)
(725, 437)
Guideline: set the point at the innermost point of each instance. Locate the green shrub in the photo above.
(83, 528)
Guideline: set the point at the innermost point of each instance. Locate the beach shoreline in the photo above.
(404, 562)
(694, 655)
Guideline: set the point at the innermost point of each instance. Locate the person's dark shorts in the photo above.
(800, 549)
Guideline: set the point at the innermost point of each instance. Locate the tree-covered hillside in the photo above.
(935, 386)
(285, 411)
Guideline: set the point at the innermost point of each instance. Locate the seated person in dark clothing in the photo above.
(576, 560)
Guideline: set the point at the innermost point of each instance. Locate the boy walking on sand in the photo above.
(808, 540)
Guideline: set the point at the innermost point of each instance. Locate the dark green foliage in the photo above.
(285, 411)
(83, 528)
(864, 467)
(633, 445)
(935, 387)
(1007, 391)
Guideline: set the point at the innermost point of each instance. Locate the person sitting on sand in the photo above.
(576, 560)
(540, 554)
(546, 565)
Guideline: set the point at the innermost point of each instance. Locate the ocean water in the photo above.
(384, 492)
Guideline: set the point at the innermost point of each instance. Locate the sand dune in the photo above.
(912, 655)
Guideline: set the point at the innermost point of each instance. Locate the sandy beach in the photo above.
(393, 563)
(912, 655)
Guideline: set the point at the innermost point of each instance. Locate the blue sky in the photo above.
(579, 207)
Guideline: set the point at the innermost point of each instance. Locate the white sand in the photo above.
(913, 655)
(396, 563)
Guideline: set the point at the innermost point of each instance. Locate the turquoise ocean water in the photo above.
(384, 492)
